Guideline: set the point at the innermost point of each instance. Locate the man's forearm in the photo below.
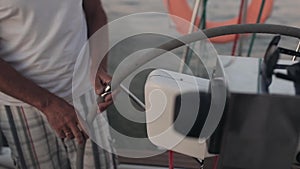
(94, 24)
(96, 20)
(14, 84)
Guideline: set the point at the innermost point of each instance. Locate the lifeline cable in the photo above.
(242, 37)
(258, 20)
(201, 26)
(186, 51)
(237, 36)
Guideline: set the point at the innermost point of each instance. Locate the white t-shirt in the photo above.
(41, 39)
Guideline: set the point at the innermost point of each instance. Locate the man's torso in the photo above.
(41, 39)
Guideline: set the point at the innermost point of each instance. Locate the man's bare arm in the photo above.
(14, 84)
(95, 15)
(59, 113)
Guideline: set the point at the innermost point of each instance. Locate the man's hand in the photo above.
(62, 118)
(102, 80)
(60, 114)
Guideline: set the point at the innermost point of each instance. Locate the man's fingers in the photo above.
(105, 78)
(60, 133)
(57, 127)
(99, 88)
(104, 105)
(68, 133)
(111, 95)
(77, 133)
(108, 97)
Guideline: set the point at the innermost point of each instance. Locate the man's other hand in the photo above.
(63, 119)
(101, 82)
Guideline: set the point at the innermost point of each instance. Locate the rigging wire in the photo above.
(257, 21)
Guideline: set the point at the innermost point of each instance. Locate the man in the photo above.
(39, 43)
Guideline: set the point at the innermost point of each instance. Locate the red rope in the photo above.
(171, 159)
(239, 22)
(216, 160)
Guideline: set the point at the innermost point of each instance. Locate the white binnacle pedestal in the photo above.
(163, 87)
